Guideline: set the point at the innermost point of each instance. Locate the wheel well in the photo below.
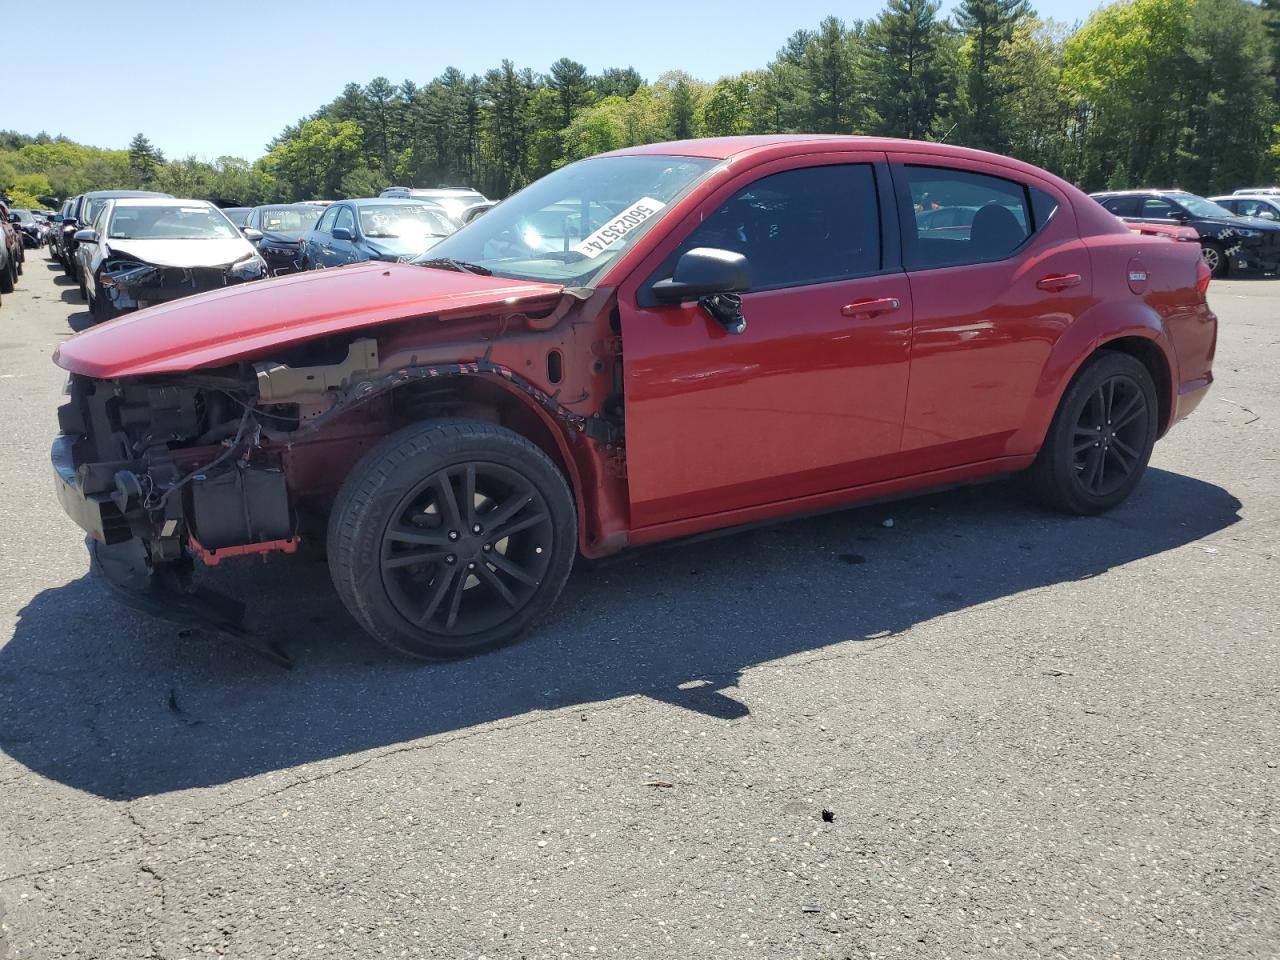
(476, 398)
(1153, 358)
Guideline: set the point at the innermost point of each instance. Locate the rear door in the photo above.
(809, 398)
(989, 303)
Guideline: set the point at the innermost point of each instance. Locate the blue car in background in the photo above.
(352, 231)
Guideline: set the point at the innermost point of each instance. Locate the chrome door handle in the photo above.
(870, 308)
(1056, 282)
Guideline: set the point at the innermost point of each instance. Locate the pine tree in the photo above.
(569, 81)
(987, 27)
(144, 159)
(905, 68)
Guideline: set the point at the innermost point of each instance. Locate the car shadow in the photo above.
(99, 698)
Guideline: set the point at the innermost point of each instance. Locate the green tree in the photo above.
(827, 71)
(1128, 67)
(144, 160)
(987, 27)
(312, 165)
(571, 86)
(906, 68)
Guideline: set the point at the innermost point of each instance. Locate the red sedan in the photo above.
(641, 346)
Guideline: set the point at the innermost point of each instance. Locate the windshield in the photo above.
(169, 223)
(1200, 207)
(24, 216)
(392, 220)
(571, 225)
(290, 219)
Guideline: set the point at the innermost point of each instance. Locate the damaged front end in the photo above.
(159, 474)
(130, 284)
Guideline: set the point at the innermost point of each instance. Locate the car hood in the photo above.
(183, 253)
(242, 321)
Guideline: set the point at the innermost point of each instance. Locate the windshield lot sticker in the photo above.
(643, 209)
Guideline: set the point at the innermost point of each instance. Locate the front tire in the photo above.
(8, 278)
(1215, 258)
(1101, 437)
(451, 538)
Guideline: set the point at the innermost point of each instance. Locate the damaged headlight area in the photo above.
(251, 267)
(132, 284)
(171, 466)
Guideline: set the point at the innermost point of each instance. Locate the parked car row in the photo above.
(128, 249)
(1238, 234)
(13, 254)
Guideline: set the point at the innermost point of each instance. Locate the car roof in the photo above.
(1269, 197)
(382, 201)
(153, 201)
(1143, 192)
(116, 194)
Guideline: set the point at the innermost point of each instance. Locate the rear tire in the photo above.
(8, 278)
(451, 537)
(1101, 437)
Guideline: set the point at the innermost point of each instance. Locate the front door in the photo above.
(809, 398)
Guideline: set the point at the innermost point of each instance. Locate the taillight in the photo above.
(1203, 276)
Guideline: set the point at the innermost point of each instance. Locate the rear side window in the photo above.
(959, 217)
(1122, 206)
(812, 225)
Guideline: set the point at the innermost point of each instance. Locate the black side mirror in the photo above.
(704, 271)
(342, 233)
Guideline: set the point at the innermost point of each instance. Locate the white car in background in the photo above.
(141, 252)
(1263, 206)
(455, 200)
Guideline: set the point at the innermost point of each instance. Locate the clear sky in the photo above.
(212, 77)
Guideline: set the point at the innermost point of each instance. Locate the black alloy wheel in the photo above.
(1109, 435)
(1101, 437)
(466, 549)
(451, 537)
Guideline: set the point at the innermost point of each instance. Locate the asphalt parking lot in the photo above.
(1038, 735)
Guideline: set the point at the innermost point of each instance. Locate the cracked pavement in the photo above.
(1039, 735)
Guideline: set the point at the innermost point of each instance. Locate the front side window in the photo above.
(346, 219)
(1123, 206)
(326, 222)
(986, 218)
(571, 225)
(812, 225)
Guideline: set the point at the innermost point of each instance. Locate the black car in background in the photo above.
(1230, 244)
(83, 210)
(281, 226)
(32, 228)
(237, 215)
(351, 231)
